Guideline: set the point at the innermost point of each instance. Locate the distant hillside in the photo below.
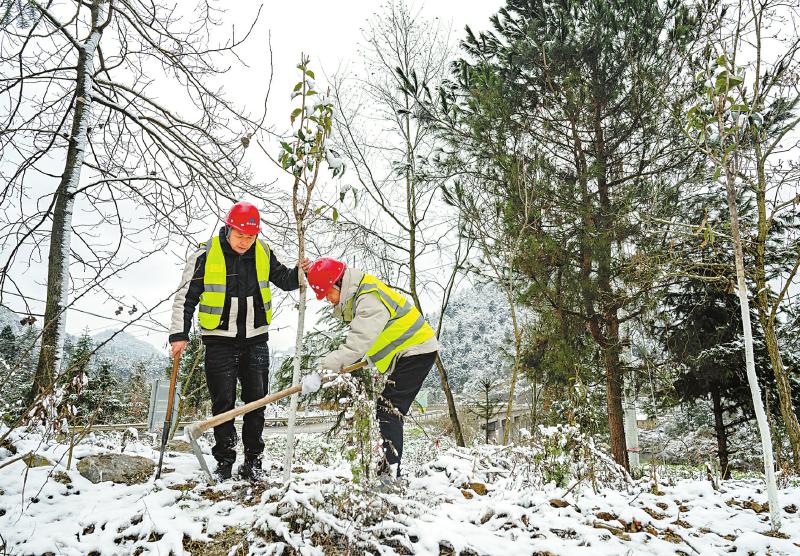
(476, 335)
(124, 350)
(10, 318)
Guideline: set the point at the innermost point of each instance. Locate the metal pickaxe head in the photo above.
(192, 433)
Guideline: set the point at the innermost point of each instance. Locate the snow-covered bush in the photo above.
(357, 395)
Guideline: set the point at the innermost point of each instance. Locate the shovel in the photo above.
(168, 419)
(196, 430)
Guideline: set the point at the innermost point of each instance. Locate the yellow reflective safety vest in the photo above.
(212, 300)
(406, 327)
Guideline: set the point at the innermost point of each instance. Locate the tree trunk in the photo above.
(514, 371)
(451, 403)
(488, 413)
(785, 403)
(722, 435)
(616, 421)
(298, 353)
(609, 338)
(755, 390)
(764, 308)
(443, 380)
(53, 328)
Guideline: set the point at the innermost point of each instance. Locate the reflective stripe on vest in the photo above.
(262, 273)
(212, 300)
(406, 326)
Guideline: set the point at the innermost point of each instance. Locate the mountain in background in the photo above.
(10, 318)
(124, 351)
(475, 340)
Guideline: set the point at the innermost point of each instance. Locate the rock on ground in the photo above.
(118, 468)
(179, 446)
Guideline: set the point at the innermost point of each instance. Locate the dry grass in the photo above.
(221, 544)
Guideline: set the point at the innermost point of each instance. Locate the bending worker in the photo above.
(386, 329)
(229, 277)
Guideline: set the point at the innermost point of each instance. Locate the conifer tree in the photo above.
(104, 394)
(8, 345)
(567, 99)
(138, 394)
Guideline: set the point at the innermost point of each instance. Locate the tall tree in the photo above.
(760, 114)
(302, 157)
(77, 84)
(396, 211)
(720, 124)
(485, 223)
(704, 339)
(577, 90)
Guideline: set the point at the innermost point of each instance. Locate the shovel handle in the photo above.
(168, 417)
(266, 400)
(176, 361)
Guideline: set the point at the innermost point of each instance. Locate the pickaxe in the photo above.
(196, 430)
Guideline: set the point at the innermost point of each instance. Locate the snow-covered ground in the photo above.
(486, 500)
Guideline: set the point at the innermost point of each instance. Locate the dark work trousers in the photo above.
(402, 387)
(225, 363)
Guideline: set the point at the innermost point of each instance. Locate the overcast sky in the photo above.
(327, 31)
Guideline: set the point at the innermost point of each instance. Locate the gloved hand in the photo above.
(310, 384)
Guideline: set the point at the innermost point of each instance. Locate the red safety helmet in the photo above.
(244, 217)
(323, 274)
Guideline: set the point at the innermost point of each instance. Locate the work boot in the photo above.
(388, 483)
(251, 469)
(223, 471)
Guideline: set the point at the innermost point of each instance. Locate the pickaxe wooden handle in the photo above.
(266, 400)
(194, 430)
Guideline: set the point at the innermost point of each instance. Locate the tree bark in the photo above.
(766, 308)
(614, 389)
(451, 404)
(785, 403)
(411, 209)
(515, 370)
(298, 353)
(53, 328)
(603, 320)
(752, 379)
(721, 433)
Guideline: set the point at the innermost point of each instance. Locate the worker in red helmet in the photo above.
(229, 278)
(386, 329)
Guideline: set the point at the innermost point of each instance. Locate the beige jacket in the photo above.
(369, 319)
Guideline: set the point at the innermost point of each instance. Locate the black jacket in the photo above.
(242, 296)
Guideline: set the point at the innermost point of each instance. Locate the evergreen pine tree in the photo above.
(104, 393)
(705, 342)
(566, 99)
(487, 404)
(137, 398)
(75, 374)
(25, 364)
(8, 345)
